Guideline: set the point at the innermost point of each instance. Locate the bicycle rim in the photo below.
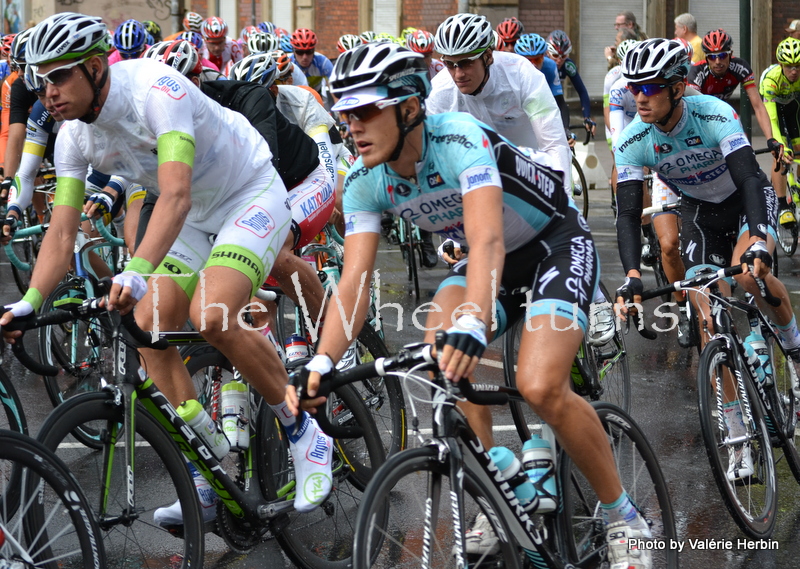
(43, 512)
(783, 399)
(576, 169)
(407, 514)
(752, 501)
(24, 250)
(160, 479)
(581, 529)
(12, 417)
(322, 538)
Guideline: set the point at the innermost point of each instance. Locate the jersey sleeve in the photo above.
(628, 155)
(71, 169)
(473, 162)
(169, 110)
(362, 204)
(577, 82)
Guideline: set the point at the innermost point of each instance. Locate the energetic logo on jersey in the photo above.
(257, 221)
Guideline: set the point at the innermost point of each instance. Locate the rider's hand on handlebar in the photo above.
(5, 186)
(756, 256)
(466, 342)
(776, 148)
(19, 308)
(99, 204)
(630, 291)
(310, 375)
(590, 125)
(129, 287)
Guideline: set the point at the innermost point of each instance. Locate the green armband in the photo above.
(176, 146)
(35, 298)
(141, 266)
(70, 192)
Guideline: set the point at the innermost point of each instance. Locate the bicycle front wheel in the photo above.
(44, 515)
(783, 398)
(581, 529)
(322, 538)
(751, 500)
(160, 478)
(407, 517)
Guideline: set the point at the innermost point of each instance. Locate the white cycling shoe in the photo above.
(623, 548)
(173, 516)
(312, 451)
(740, 463)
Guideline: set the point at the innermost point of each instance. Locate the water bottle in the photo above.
(755, 342)
(236, 414)
(296, 348)
(196, 417)
(537, 459)
(511, 470)
(753, 358)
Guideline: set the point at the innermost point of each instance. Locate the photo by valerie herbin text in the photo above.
(681, 544)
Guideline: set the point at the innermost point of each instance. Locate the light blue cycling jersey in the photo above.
(319, 70)
(459, 154)
(550, 71)
(690, 158)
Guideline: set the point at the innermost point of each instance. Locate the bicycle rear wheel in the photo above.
(581, 530)
(44, 514)
(783, 398)
(407, 516)
(412, 262)
(160, 478)
(322, 538)
(12, 416)
(26, 250)
(582, 199)
(752, 501)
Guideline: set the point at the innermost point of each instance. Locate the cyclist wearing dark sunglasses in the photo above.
(697, 146)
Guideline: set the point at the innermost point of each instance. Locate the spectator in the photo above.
(686, 29)
(623, 34)
(793, 31)
(627, 19)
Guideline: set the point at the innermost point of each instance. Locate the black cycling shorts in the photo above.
(559, 268)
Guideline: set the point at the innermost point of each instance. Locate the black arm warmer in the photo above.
(564, 108)
(749, 180)
(629, 223)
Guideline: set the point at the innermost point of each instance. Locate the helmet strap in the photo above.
(94, 111)
(485, 78)
(673, 103)
(406, 128)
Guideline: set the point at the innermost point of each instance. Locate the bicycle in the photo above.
(143, 437)
(787, 233)
(45, 519)
(406, 235)
(600, 372)
(769, 410)
(580, 189)
(404, 519)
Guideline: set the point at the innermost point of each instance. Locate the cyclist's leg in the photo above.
(287, 265)
(668, 231)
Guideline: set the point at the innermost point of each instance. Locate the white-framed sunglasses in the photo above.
(60, 75)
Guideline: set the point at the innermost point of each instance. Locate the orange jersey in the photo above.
(5, 114)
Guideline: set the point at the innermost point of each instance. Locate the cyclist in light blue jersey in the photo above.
(455, 175)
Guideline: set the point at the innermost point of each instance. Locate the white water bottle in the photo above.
(511, 469)
(537, 459)
(236, 414)
(755, 343)
(201, 423)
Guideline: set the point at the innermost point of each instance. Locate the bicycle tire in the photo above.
(322, 538)
(13, 416)
(783, 400)
(752, 502)
(576, 169)
(43, 512)
(580, 527)
(412, 263)
(787, 234)
(84, 355)
(25, 249)
(612, 355)
(158, 464)
(409, 487)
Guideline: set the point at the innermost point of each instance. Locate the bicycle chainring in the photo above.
(240, 536)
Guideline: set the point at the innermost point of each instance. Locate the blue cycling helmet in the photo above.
(130, 37)
(195, 38)
(286, 44)
(267, 27)
(530, 45)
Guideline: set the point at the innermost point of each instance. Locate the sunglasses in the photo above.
(366, 113)
(304, 52)
(648, 89)
(716, 56)
(464, 63)
(59, 75)
(790, 68)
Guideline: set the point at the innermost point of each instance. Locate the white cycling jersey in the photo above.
(148, 102)
(516, 101)
(611, 77)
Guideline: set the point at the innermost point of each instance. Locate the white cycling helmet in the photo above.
(258, 68)
(464, 34)
(66, 36)
(656, 59)
(386, 65)
(179, 54)
(624, 47)
(261, 42)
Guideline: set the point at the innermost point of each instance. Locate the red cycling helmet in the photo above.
(304, 39)
(214, 28)
(420, 41)
(717, 41)
(5, 46)
(510, 29)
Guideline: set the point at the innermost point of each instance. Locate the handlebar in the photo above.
(583, 126)
(661, 208)
(412, 355)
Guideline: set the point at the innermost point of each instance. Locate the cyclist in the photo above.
(386, 114)
(154, 30)
(146, 123)
(259, 42)
(348, 41)
(422, 42)
(221, 50)
(562, 46)
(315, 66)
(130, 41)
(780, 88)
(623, 35)
(192, 22)
(196, 39)
(533, 48)
(5, 101)
(728, 208)
(509, 31)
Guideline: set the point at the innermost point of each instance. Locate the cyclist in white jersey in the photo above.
(220, 50)
(523, 227)
(147, 123)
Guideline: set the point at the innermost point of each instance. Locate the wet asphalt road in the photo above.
(664, 404)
